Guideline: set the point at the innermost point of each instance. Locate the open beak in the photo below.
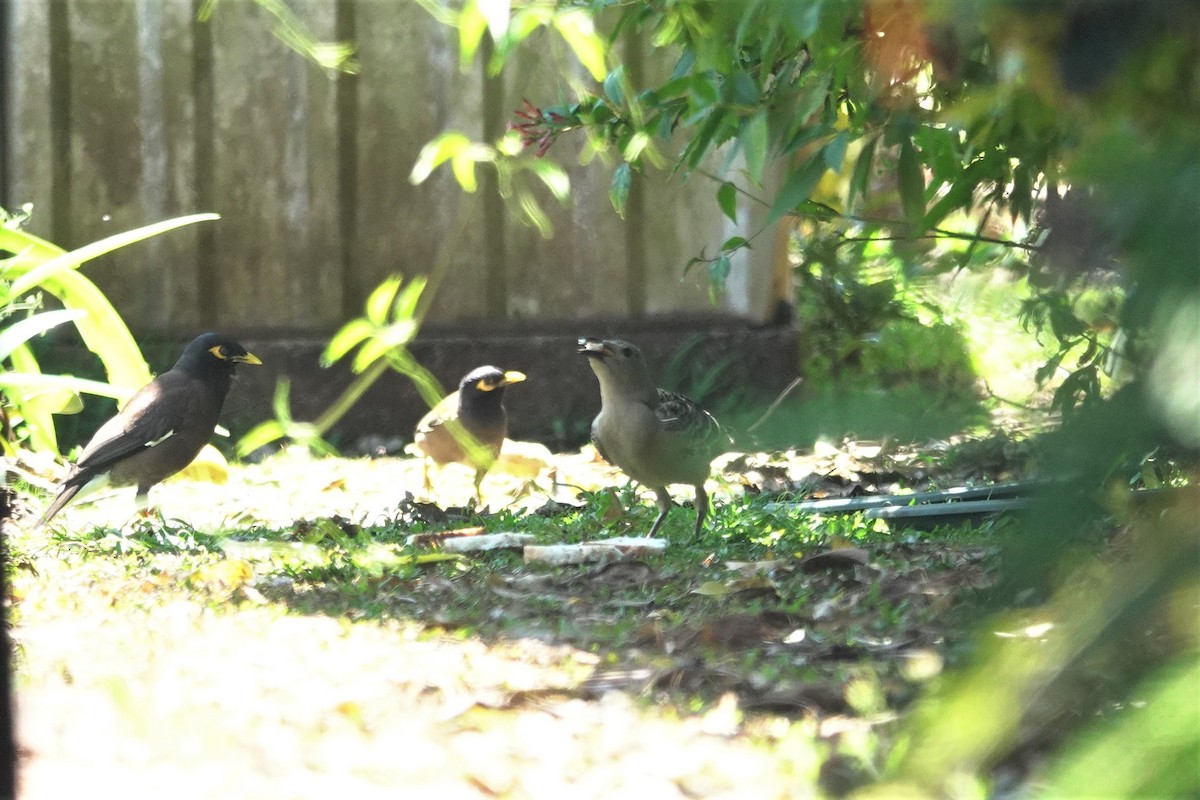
(593, 348)
(249, 358)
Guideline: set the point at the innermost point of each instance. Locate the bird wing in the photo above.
(151, 416)
(445, 409)
(681, 417)
(597, 444)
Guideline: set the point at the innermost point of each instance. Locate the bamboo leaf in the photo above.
(20, 332)
(74, 258)
(753, 138)
(798, 187)
(860, 179)
(38, 380)
(912, 183)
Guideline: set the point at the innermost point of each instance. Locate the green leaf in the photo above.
(471, 25)
(835, 151)
(618, 190)
(727, 200)
(554, 177)
(260, 435)
(381, 299)
(349, 337)
(613, 86)
(912, 183)
(638, 142)
(860, 179)
(744, 89)
(463, 167)
(410, 298)
(372, 350)
(66, 261)
(576, 27)
(798, 187)
(27, 379)
(442, 148)
(753, 138)
(718, 273)
(22, 331)
(102, 330)
(733, 243)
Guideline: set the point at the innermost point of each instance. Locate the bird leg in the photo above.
(425, 482)
(479, 473)
(664, 505)
(701, 508)
(141, 502)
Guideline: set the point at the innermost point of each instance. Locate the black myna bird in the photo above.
(657, 437)
(163, 426)
(478, 407)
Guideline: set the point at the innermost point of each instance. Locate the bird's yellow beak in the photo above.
(512, 376)
(249, 358)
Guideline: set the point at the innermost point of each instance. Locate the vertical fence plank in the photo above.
(106, 146)
(580, 271)
(29, 154)
(410, 89)
(276, 250)
(692, 225)
(164, 268)
(166, 117)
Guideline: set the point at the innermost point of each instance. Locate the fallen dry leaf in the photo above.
(841, 559)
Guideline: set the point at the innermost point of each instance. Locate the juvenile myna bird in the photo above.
(657, 437)
(163, 426)
(478, 406)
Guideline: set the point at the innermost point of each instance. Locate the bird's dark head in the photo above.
(212, 353)
(488, 380)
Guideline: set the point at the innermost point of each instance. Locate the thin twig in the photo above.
(775, 403)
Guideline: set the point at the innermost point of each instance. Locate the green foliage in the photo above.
(869, 320)
(390, 321)
(34, 268)
(289, 29)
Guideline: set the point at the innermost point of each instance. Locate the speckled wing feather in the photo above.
(680, 415)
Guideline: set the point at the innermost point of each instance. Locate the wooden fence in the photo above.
(124, 112)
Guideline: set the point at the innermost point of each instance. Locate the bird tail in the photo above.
(65, 495)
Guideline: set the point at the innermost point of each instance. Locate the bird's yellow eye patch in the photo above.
(220, 351)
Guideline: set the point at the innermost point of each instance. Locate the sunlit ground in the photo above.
(171, 675)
